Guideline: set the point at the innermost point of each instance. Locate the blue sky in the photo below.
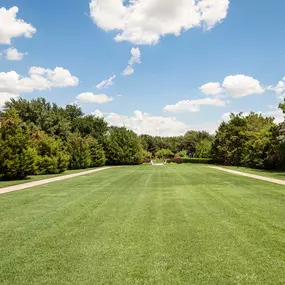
(236, 45)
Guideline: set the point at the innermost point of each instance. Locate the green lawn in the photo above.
(277, 174)
(32, 178)
(175, 224)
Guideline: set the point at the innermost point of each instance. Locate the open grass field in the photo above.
(276, 174)
(175, 224)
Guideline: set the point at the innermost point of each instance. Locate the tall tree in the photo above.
(17, 156)
(123, 147)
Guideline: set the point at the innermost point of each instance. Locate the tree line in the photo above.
(38, 137)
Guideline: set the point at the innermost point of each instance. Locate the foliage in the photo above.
(147, 154)
(123, 147)
(54, 138)
(79, 150)
(245, 141)
(52, 155)
(203, 149)
(97, 152)
(164, 153)
(182, 154)
(17, 156)
(180, 160)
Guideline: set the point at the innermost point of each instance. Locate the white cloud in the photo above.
(146, 21)
(276, 113)
(227, 116)
(89, 97)
(143, 123)
(13, 54)
(11, 27)
(242, 85)
(234, 85)
(194, 105)
(106, 83)
(273, 111)
(211, 88)
(12, 84)
(4, 97)
(97, 113)
(279, 89)
(135, 59)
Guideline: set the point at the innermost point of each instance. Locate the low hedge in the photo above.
(180, 160)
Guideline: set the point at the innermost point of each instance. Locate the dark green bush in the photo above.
(180, 160)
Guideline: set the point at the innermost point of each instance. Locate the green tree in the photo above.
(203, 149)
(229, 141)
(79, 150)
(46, 116)
(164, 153)
(182, 154)
(17, 156)
(91, 125)
(97, 153)
(52, 156)
(123, 147)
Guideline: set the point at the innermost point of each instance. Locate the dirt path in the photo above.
(46, 181)
(272, 180)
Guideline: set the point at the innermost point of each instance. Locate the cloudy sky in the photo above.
(155, 66)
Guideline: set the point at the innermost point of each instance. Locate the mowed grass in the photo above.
(184, 224)
(276, 174)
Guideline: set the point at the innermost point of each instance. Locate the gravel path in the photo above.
(46, 181)
(272, 180)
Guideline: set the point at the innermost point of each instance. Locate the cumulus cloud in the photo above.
(242, 85)
(12, 84)
(106, 83)
(234, 85)
(4, 97)
(135, 59)
(14, 54)
(89, 97)
(11, 27)
(212, 88)
(143, 123)
(273, 112)
(279, 89)
(194, 105)
(276, 113)
(146, 21)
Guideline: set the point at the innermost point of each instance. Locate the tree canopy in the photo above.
(38, 137)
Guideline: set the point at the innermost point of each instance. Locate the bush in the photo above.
(182, 154)
(180, 160)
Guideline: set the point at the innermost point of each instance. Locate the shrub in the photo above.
(180, 160)
(147, 160)
(182, 154)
